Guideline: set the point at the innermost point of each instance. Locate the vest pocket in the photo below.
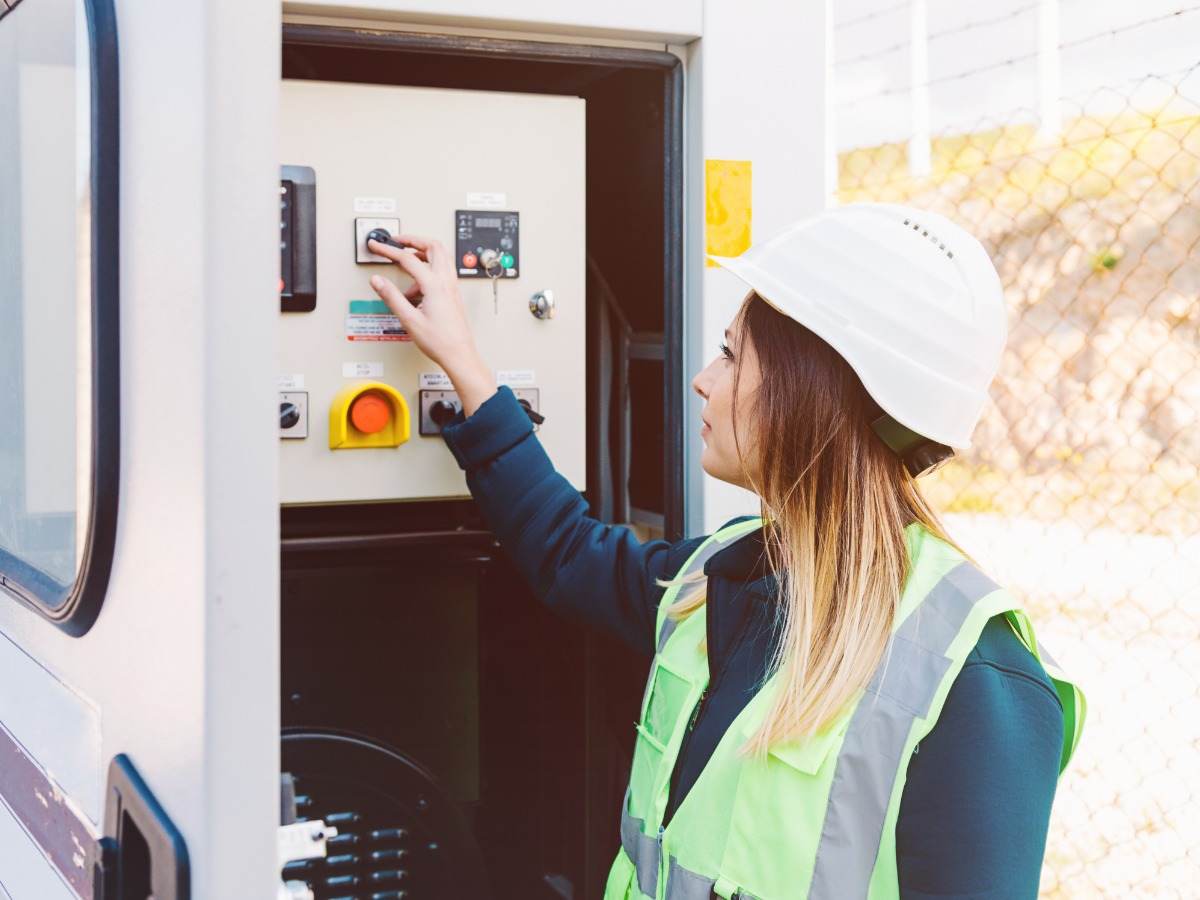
(809, 754)
(668, 697)
(647, 758)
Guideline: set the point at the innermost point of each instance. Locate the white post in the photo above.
(831, 154)
(918, 143)
(779, 49)
(1049, 72)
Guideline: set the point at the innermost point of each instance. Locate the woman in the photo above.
(841, 704)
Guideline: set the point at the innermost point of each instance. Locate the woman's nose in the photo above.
(697, 384)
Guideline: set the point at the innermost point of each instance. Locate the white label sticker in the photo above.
(372, 320)
(437, 381)
(302, 840)
(362, 370)
(486, 200)
(375, 205)
(516, 377)
(290, 382)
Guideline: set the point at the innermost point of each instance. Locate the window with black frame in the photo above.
(58, 305)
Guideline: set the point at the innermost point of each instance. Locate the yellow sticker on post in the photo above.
(727, 207)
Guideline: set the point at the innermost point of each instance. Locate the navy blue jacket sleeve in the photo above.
(598, 574)
(976, 806)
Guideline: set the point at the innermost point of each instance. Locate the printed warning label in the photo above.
(373, 320)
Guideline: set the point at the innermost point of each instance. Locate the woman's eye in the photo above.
(725, 351)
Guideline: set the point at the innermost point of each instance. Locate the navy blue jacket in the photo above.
(976, 805)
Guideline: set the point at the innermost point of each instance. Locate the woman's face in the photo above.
(715, 384)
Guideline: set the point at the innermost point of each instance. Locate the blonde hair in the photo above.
(835, 502)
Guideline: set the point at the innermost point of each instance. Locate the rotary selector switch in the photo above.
(375, 230)
(534, 416)
(442, 411)
(293, 414)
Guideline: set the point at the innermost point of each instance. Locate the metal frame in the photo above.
(74, 607)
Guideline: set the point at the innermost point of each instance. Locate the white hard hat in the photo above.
(909, 299)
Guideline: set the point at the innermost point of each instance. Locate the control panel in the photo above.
(361, 409)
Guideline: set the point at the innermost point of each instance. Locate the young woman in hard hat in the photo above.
(841, 703)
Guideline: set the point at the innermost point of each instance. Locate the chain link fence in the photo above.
(1082, 489)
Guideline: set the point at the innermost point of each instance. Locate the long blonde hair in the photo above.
(835, 502)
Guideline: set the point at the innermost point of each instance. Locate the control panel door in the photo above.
(499, 179)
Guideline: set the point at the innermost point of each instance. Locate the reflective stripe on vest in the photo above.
(642, 849)
(696, 562)
(899, 694)
(873, 752)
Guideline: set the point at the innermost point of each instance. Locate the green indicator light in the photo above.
(507, 260)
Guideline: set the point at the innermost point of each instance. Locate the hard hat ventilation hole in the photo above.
(925, 233)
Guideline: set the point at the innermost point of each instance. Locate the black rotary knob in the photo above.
(442, 411)
(289, 414)
(534, 416)
(379, 234)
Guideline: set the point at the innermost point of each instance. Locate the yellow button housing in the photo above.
(343, 435)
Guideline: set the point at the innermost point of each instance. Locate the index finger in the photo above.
(434, 250)
(420, 271)
(412, 251)
(415, 240)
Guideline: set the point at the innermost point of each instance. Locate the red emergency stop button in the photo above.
(470, 260)
(370, 413)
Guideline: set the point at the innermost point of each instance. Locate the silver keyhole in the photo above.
(541, 304)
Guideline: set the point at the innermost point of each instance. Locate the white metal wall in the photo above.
(756, 91)
(183, 661)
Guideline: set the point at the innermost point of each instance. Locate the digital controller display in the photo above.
(487, 245)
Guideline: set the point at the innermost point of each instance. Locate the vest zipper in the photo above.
(696, 710)
(662, 863)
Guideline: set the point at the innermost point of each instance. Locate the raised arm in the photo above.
(600, 574)
(596, 573)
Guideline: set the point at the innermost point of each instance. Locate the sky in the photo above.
(871, 53)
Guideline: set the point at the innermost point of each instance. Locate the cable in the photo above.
(870, 17)
(961, 29)
(1066, 45)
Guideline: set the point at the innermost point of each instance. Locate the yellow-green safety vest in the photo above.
(817, 817)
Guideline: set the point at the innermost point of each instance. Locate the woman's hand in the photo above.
(438, 325)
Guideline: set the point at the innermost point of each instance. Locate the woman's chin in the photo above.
(712, 466)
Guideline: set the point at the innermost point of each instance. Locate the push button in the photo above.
(470, 260)
(367, 414)
(370, 414)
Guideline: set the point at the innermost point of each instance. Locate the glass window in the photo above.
(57, 301)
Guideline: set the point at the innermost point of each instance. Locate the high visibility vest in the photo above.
(817, 817)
